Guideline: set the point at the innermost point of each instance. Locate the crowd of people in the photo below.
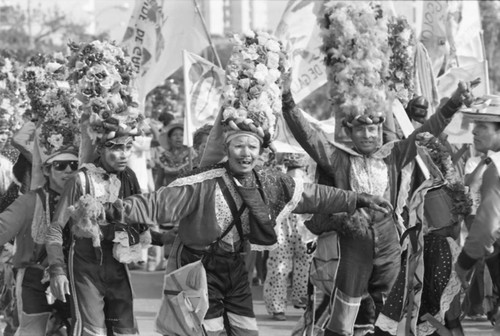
(90, 189)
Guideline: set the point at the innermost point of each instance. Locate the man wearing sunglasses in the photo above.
(27, 220)
(100, 284)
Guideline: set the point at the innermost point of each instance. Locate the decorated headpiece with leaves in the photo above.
(102, 76)
(252, 95)
(356, 49)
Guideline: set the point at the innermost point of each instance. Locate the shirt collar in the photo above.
(495, 158)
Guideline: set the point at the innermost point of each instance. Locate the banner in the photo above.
(285, 142)
(298, 27)
(157, 33)
(469, 46)
(203, 83)
(434, 32)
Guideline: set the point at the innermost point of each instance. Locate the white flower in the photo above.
(273, 75)
(56, 141)
(272, 46)
(244, 83)
(261, 73)
(229, 113)
(273, 60)
(250, 53)
(262, 39)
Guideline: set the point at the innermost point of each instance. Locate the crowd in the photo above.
(90, 188)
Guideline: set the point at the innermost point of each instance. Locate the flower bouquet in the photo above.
(252, 95)
(13, 100)
(102, 77)
(88, 214)
(356, 49)
(401, 68)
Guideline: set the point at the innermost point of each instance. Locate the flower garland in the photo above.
(52, 99)
(401, 68)
(357, 51)
(103, 78)
(454, 187)
(45, 80)
(252, 95)
(13, 100)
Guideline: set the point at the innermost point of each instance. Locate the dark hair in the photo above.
(199, 134)
(170, 131)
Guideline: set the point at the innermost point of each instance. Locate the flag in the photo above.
(203, 82)
(157, 33)
(459, 130)
(469, 45)
(433, 32)
(285, 142)
(298, 27)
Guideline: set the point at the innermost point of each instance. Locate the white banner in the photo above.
(203, 82)
(157, 33)
(298, 27)
(433, 32)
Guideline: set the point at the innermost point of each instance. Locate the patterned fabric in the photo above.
(369, 175)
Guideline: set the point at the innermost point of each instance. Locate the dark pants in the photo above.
(228, 290)
(102, 293)
(367, 269)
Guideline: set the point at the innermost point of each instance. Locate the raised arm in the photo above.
(313, 140)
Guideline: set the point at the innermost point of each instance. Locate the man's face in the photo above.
(486, 137)
(59, 172)
(114, 157)
(365, 138)
(243, 153)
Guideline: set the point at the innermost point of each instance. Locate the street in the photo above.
(148, 287)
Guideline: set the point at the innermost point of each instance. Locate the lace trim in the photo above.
(387, 324)
(105, 187)
(189, 180)
(369, 175)
(40, 226)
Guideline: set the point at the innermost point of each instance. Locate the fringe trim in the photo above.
(189, 180)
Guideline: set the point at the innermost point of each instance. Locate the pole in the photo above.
(207, 33)
(485, 63)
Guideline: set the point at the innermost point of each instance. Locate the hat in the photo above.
(484, 109)
(69, 154)
(103, 79)
(251, 98)
(172, 126)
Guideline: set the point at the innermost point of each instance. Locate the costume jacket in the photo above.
(485, 229)
(26, 220)
(346, 169)
(199, 204)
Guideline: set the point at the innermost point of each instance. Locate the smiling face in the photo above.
(114, 157)
(486, 136)
(365, 138)
(243, 153)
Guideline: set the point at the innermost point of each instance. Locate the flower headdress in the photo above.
(102, 76)
(252, 95)
(356, 51)
(401, 68)
(13, 101)
(45, 82)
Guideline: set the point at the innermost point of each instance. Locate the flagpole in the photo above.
(207, 33)
(485, 63)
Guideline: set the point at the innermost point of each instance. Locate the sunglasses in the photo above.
(62, 165)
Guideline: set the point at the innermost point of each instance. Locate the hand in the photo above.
(463, 94)
(463, 275)
(59, 286)
(376, 203)
(169, 236)
(286, 82)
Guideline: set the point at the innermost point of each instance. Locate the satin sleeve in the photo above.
(318, 198)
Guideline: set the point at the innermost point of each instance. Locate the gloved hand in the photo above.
(463, 93)
(377, 203)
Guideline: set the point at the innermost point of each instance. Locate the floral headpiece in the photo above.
(45, 82)
(252, 95)
(58, 129)
(102, 76)
(356, 51)
(401, 68)
(13, 101)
